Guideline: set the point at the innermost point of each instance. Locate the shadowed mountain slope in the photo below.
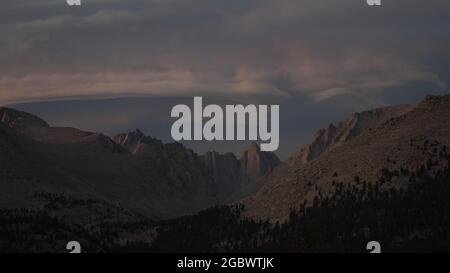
(392, 142)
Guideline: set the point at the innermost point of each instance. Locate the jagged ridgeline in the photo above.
(363, 146)
(379, 175)
(136, 172)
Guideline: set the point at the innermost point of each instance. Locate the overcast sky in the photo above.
(318, 48)
(308, 51)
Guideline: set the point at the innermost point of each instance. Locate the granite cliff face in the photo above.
(224, 168)
(254, 164)
(232, 175)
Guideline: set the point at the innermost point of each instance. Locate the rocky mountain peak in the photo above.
(253, 148)
(333, 136)
(130, 138)
(432, 101)
(18, 119)
(383, 146)
(255, 163)
(136, 142)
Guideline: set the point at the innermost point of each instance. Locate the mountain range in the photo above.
(135, 171)
(135, 189)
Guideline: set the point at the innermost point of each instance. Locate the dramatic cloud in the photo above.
(317, 49)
